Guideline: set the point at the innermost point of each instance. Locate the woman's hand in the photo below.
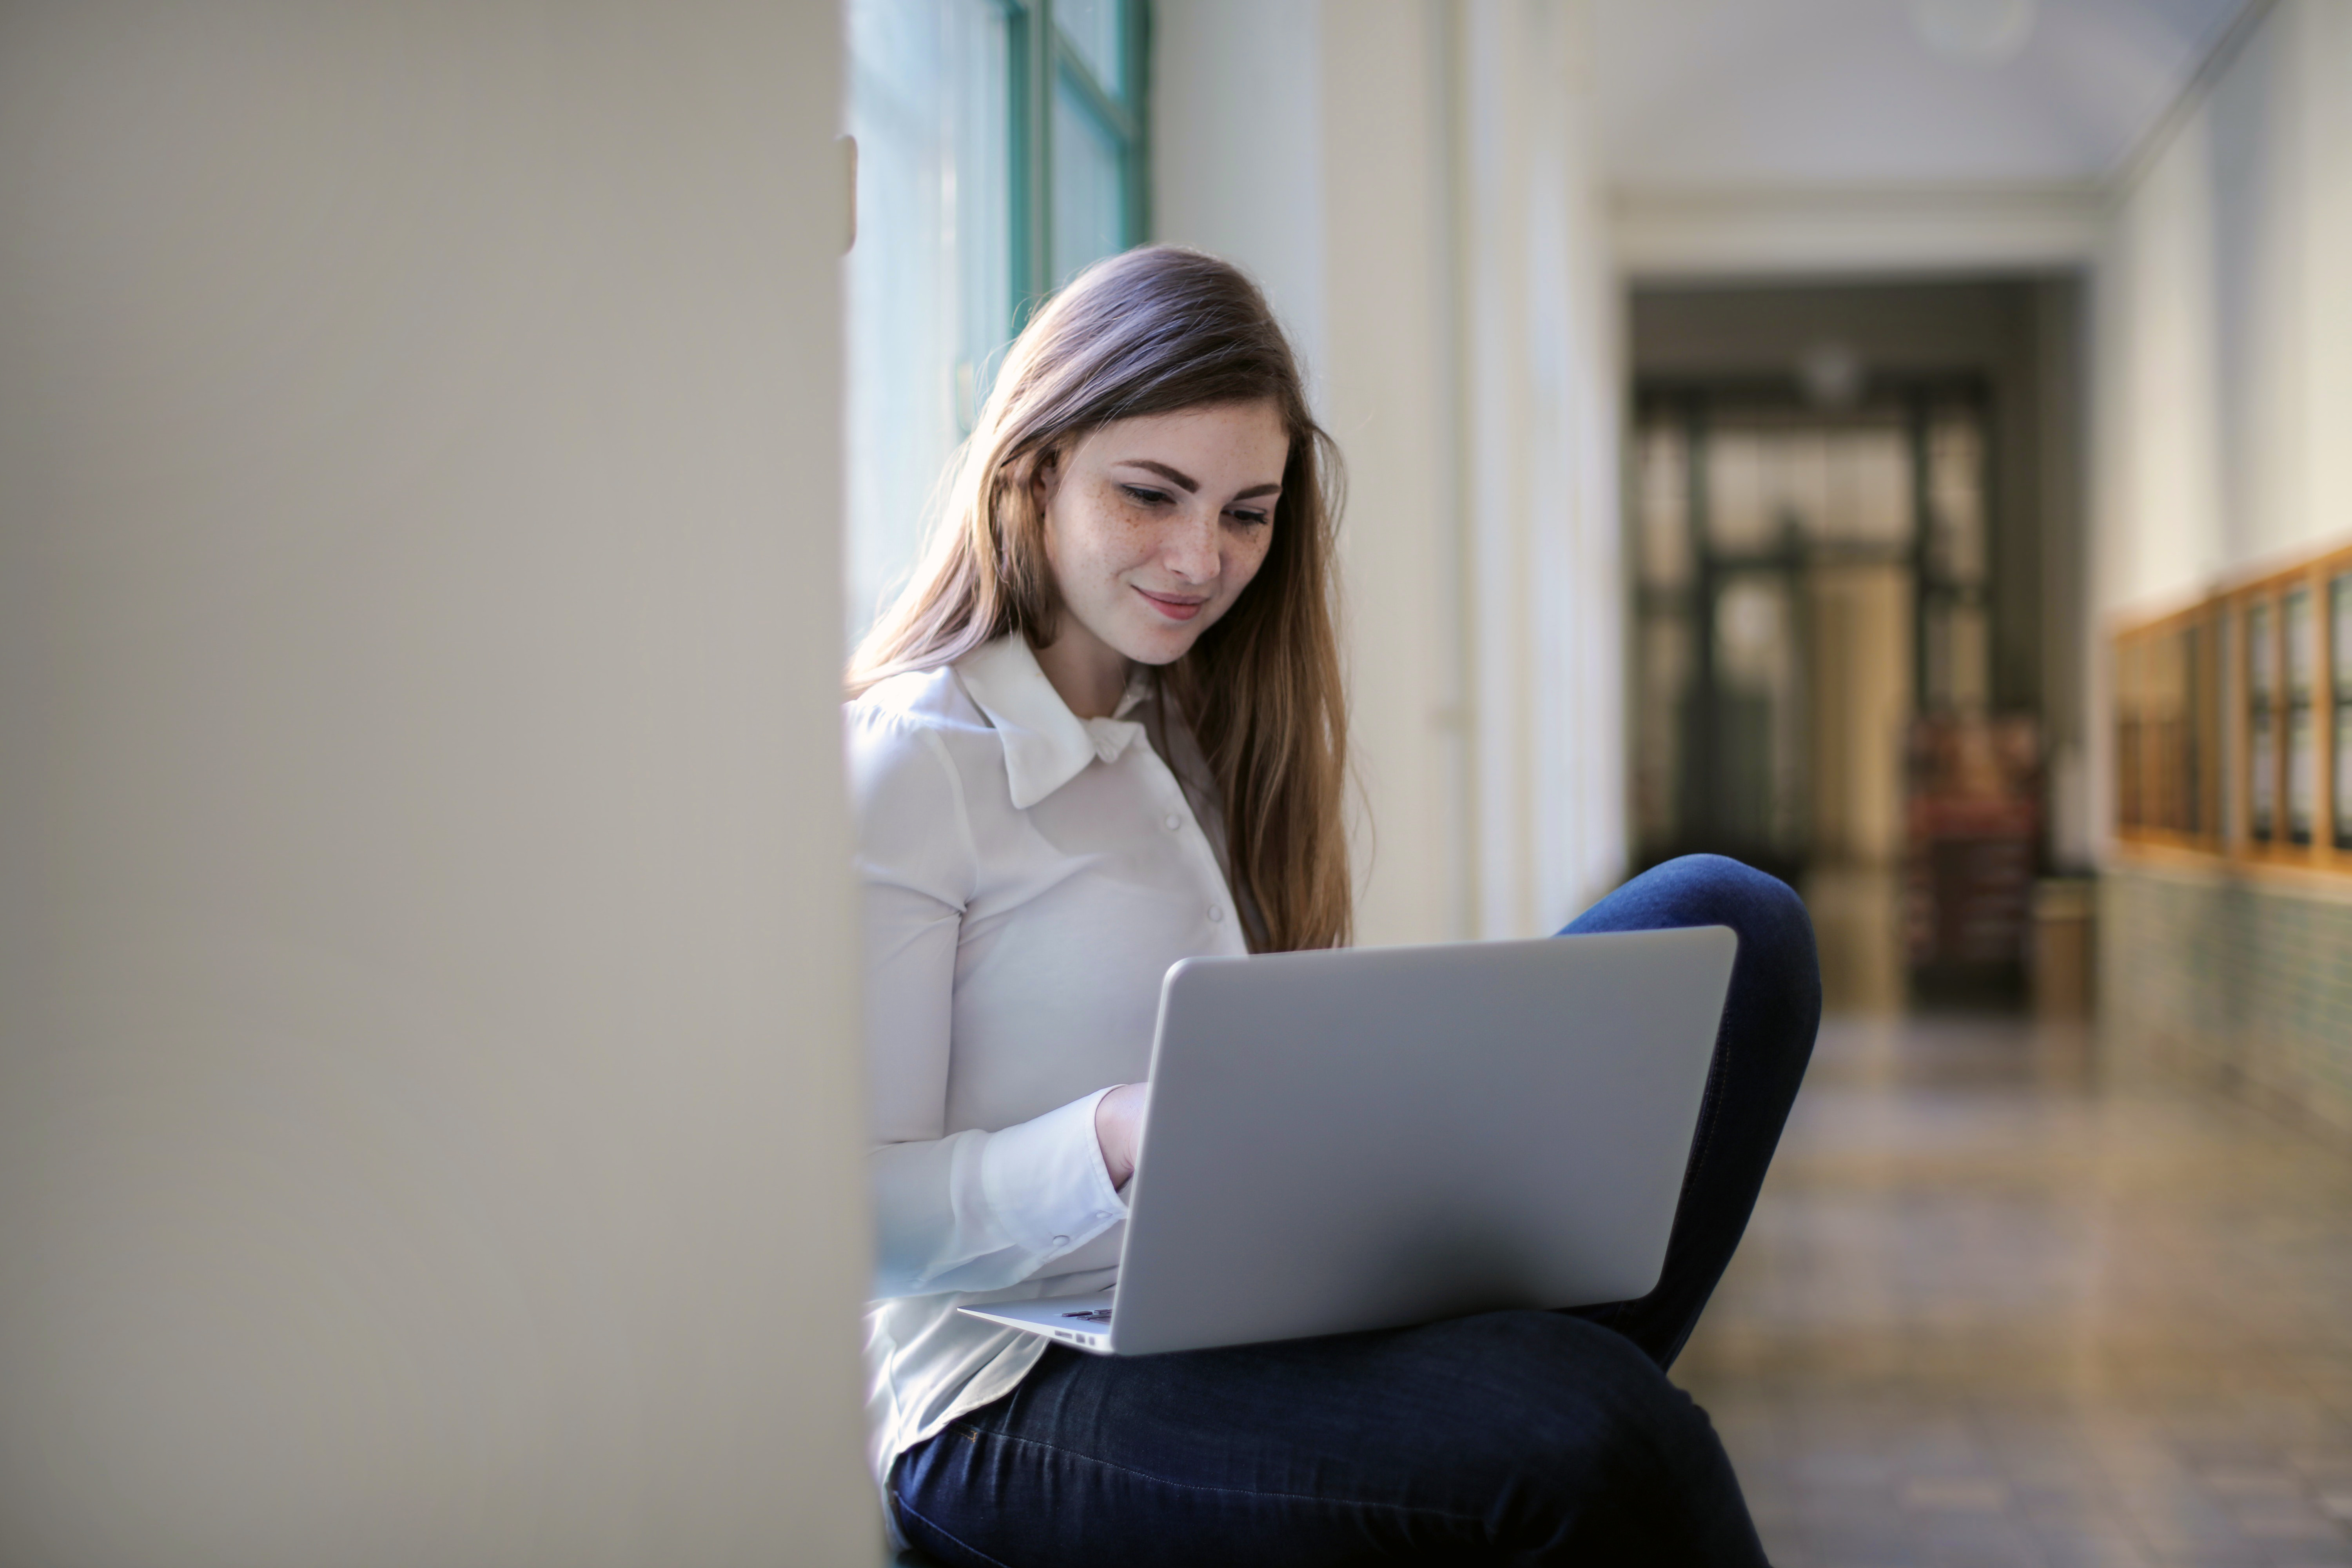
(1119, 1127)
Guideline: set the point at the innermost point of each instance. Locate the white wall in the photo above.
(1435, 224)
(1237, 149)
(427, 1121)
(2222, 338)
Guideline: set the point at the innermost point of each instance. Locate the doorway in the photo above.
(1811, 576)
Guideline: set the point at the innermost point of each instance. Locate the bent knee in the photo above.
(1733, 890)
(1774, 926)
(1565, 1396)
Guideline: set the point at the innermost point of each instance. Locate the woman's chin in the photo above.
(1159, 645)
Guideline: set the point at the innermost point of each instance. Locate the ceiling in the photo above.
(1726, 95)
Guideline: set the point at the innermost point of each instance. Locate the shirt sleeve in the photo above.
(975, 1210)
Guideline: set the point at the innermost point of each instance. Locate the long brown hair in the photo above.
(1157, 331)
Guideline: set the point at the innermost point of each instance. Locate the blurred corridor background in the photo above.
(1903, 444)
(1907, 447)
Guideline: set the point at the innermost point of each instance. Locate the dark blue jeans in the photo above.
(1508, 1437)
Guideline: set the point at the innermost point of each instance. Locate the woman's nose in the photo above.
(1191, 547)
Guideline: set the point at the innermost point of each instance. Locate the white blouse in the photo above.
(1028, 877)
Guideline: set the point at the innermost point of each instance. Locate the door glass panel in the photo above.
(1869, 487)
(1956, 511)
(1742, 505)
(1663, 521)
(1791, 622)
(1758, 749)
(1666, 690)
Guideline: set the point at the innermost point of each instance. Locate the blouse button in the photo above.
(1216, 911)
(1061, 1241)
(1174, 822)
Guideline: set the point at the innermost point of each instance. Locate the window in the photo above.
(2272, 780)
(2166, 714)
(1001, 148)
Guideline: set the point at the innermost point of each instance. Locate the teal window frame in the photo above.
(1043, 58)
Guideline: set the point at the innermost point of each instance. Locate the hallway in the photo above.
(1998, 1306)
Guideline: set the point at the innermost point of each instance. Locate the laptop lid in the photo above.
(1370, 1136)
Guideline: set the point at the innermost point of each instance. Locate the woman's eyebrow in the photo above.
(1176, 476)
(1189, 485)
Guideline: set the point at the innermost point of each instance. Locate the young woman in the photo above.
(1102, 731)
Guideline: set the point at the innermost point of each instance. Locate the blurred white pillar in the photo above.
(428, 1123)
(1435, 233)
(1539, 412)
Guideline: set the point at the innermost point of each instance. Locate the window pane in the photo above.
(2259, 654)
(1087, 218)
(2229, 674)
(2301, 652)
(2131, 709)
(2261, 732)
(2188, 751)
(2344, 775)
(1092, 28)
(2302, 743)
(1666, 677)
(2340, 641)
(2302, 774)
(929, 278)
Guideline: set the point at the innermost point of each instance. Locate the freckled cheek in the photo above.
(1124, 537)
(1096, 545)
(1138, 539)
(1243, 563)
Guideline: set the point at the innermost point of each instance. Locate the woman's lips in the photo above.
(1174, 609)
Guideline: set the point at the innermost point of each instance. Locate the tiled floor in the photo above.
(1999, 1307)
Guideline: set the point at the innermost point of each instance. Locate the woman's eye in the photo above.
(1145, 495)
(1247, 518)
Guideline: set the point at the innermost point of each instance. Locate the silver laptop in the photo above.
(1373, 1137)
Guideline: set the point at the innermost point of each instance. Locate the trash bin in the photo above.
(2062, 947)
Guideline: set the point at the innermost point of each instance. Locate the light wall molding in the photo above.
(1662, 233)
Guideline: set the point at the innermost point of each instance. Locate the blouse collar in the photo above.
(1046, 744)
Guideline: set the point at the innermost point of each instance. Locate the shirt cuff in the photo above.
(1044, 1180)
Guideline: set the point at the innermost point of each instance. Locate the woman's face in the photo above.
(1154, 525)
